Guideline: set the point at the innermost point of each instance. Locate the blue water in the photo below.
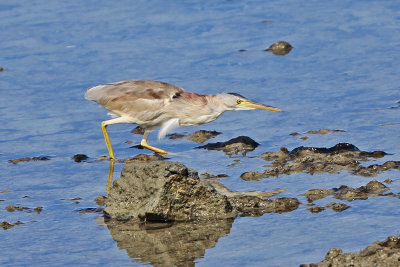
(343, 73)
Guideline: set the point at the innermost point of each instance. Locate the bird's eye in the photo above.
(239, 101)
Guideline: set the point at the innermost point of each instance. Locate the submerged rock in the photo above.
(169, 191)
(384, 254)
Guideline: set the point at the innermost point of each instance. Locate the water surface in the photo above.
(343, 73)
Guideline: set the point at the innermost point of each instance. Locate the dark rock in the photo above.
(240, 144)
(80, 157)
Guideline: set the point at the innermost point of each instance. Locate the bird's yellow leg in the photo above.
(110, 176)
(144, 144)
(107, 139)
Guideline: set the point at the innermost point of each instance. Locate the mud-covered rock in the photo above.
(383, 254)
(165, 191)
(342, 156)
(254, 206)
(240, 144)
(252, 176)
(142, 158)
(315, 194)
(198, 137)
(338, 207)
(371, 189)
(169, 191)
(279, 48)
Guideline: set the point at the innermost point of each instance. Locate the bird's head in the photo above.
(235, 101)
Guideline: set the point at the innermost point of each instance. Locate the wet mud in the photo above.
(169, 191)
(381, 253)
(240, 144)
(312, 160)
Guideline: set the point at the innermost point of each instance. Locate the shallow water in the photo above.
(343, 73)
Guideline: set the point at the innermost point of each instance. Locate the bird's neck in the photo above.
(217, 103)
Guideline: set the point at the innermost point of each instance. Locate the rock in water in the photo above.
(165, 191)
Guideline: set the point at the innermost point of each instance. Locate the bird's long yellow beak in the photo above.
(254, 105)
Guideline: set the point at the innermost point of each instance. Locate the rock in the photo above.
(371, 189)
(240, 144)
(315, 194)
(252, 176)
(202, 136)
(79, 157)
(169, 191)
(100, 200)
(280, 48)
(338, 207)
(15, 161)
(198, 137)
(165, 191)
(383, 254)
(7, 225)
(342, 156)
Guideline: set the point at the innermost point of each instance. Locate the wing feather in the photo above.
(142, 101)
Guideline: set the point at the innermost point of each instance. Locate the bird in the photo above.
(156, 104)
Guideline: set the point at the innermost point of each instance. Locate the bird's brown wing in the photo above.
(139, 101)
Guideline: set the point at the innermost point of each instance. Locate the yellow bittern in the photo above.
(153, 104)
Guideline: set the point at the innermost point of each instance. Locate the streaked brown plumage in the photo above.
(153, 104)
